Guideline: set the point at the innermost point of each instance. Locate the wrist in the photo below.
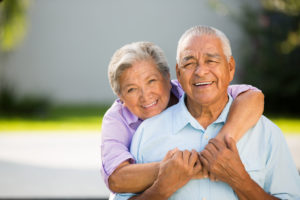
(162, 191)
(244, 184)
(226, 132)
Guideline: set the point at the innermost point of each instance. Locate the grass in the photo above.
(89, 118)
(63, 118)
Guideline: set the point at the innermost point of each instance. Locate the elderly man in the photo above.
(259, 166)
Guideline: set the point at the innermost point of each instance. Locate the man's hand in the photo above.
(176, 170)
(223, 161)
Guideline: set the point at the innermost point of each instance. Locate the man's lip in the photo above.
(203, 83)
(151, 104)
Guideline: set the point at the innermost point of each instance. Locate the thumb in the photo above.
(170, 153)
(231, 144)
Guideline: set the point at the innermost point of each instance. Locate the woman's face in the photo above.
(144, 90)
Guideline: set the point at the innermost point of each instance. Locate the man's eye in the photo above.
(190, 65)
(152, 80)
(211, 61)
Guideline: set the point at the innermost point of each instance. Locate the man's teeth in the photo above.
(203, 83)
(149, 105)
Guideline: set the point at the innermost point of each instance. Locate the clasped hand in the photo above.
(219, 161)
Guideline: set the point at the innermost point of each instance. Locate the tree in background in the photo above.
(271, 50)
(13, 26)
(272, 56)
(13, 18)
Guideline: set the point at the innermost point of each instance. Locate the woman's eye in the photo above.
(130, 90)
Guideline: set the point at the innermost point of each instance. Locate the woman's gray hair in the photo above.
(205, 30)
(124, 57)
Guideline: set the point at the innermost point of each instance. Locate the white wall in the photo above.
(70, 42)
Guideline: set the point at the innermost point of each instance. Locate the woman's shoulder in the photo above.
(176, 88)
(115, 110)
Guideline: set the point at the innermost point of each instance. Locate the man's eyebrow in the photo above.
(186, 58)
(215, 55)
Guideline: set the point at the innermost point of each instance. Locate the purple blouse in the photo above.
(119, 125)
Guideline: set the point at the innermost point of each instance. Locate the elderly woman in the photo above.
(139, 76)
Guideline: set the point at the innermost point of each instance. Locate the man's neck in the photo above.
(206, 114)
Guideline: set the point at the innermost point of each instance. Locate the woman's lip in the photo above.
(151, 104)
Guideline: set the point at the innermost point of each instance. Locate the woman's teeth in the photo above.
(151, 104)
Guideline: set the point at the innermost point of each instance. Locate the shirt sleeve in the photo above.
(115, 142)
(282, 178)
(235, 90)
(134, 149)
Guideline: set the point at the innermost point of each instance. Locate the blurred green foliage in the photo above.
(272, 53)
(271, 50)
(13, 23)
(29, 106)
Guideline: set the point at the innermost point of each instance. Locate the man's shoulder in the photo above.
(158, 123)
(161, 118)
(268, 129)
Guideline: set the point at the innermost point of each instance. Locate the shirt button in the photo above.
(206, 137)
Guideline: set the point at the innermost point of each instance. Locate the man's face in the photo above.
(203, 70)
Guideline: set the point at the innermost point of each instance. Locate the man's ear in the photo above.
(231, 66)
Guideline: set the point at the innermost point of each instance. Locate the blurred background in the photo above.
(54, 88)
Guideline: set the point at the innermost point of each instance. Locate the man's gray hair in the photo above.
(124, 57)
(205, 30)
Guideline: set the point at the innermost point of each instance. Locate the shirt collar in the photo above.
(182, 117)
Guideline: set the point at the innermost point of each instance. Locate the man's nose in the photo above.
(201, 70)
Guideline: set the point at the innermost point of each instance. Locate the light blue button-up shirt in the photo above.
(263, 151)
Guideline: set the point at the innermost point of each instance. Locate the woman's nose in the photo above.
(145, 93)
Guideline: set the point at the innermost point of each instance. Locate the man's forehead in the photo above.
(208, 45)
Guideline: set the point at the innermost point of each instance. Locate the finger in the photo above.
(212, 149)
(170, 154)
(212, 177)
(230, 142)
(197, 166)
(205, 165)
(217, 143)
(177, 155)
(193, 158)
(173, 151)
(186, 156)
(207, 155)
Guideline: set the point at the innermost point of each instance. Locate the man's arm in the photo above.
(245, 111)
(225, 163)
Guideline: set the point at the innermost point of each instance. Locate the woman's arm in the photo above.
(118, 172)
(245, 111)
(133, 178)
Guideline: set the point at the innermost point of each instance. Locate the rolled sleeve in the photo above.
(235, 90)
(116, 139)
